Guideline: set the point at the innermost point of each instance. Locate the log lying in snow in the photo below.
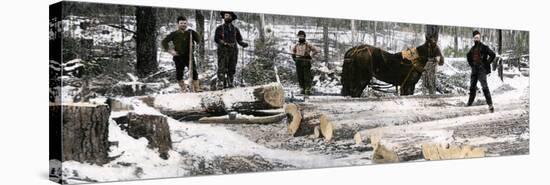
(192, 106)
(398, 147)
(244, 119)
(303, 121)
(450, 151)
(154, 128)
(84, 131)
(450, 138)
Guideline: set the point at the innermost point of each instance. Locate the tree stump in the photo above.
(84, 131)
(154, 128)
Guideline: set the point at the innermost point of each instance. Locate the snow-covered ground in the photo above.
(199, 149)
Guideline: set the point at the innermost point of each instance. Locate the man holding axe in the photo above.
(182, 53)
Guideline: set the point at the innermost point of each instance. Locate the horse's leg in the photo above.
(346, 80)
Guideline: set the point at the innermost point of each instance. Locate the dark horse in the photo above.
(403, 69)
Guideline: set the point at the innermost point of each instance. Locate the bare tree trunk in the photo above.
(456, 41)
(200, 29)
(146, 41)
(261, 27)
(374, 34)
(353, 33)
(326, 43)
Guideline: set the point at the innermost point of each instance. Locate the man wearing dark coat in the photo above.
(227, 36)
(181, 51)
(479, 58)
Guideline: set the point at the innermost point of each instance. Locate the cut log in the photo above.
(449, 139)
(294, 118)
(244, 119)
(432, 151)
(84, 131)
(303, 121)
(326, 128)
(392, 148)
(192, 106)
(154, 128)
(117, 105)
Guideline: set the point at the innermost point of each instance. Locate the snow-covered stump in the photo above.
(304, 121)
(84, 130)
(192, 106)
(154, 128)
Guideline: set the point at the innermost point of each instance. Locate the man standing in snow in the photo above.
(479, 58)
(181, 52)
(301, 54)
(227, 36)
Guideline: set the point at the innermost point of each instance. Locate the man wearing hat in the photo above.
(301, 54)
(227, 36)
(181, 52)
(479, 58)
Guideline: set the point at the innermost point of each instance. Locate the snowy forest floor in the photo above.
(204, 149)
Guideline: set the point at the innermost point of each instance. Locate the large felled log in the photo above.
(394, 145)
(432, 151)
(192, 106)
(154, 128)
(303, 121)
(450, 138)
(84, 131)
(243, 119)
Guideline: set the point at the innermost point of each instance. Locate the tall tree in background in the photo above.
(261, 26)
(456, 40)
(374, 34)
(200, 29)
(146, 41)
(325, 41)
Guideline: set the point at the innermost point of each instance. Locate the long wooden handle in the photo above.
(190, 57)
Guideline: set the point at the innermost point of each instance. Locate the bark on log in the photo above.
(450, 139)
(398, 147)
(449, 151)
(244, 119)
(192, 106)
(84, 130)
(154, 128)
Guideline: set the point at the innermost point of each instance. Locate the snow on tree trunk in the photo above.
(192, 106)
(84, 131)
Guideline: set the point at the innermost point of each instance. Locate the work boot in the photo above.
(196, 86)
(489, 100)
(182, 85)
